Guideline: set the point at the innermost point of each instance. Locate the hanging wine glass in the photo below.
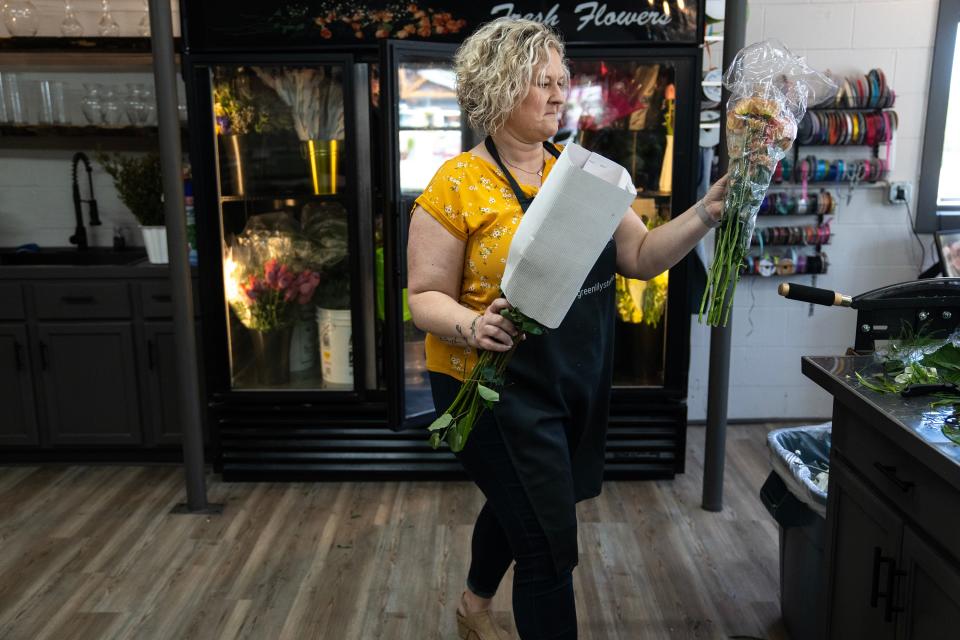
(70, 27)
(107, 27)
(21, 18)
(143, 27)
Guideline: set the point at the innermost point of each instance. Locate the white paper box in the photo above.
(562, 234)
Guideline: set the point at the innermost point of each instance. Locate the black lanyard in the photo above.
(522, 198)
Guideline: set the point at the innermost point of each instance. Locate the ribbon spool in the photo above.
(837, 128)
(862, 92)
(833, 171)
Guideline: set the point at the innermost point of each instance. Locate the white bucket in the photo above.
(336, 346)
(155, 240)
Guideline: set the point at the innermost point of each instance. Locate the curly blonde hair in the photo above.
(494, 68)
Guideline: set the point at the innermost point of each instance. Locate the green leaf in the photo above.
(435, 440)
(951, 432)
(532, 327)
(441, 423)
(488, 394)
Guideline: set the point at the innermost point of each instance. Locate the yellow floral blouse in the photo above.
(472, 199)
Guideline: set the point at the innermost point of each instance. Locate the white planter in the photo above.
(155, 240)
(336, 346)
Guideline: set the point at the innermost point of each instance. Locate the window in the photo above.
(938, 199)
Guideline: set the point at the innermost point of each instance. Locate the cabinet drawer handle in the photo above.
(44, 362)
(78, 299)
(18, 354)
(161, 297)
(891, 473)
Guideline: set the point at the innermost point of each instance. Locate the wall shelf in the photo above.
(67, 54)
(33, 136)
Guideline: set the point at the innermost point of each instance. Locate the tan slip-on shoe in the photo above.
(479, 626)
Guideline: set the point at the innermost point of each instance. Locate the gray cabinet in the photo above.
(930, 583)
(865, 543)
(893, 563)
(88, 365)
(163, 393)
(89, 383)
(18, 424)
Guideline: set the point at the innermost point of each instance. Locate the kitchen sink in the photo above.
(71, 256)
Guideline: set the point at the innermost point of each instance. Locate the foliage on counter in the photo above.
(139, 184)
(920, 360)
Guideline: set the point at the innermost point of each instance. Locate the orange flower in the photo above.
(326, 33)
(401, 35)
(358, 35)
(424, 32)
(381, 33)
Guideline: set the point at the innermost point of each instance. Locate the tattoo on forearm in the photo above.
(460, 331)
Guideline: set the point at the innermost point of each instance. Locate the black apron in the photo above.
(554, 405)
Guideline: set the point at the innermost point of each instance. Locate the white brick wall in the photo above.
(35, 198)
(872, 244)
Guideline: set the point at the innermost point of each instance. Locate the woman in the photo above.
(541, 448)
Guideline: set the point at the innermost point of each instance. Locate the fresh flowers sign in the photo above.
(769, 92)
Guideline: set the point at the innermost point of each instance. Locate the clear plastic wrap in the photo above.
(912, 352)
(801, 456)
(769, 92)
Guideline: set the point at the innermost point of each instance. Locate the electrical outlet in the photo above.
(898, 188)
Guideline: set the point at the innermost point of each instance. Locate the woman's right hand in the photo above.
(492, 331)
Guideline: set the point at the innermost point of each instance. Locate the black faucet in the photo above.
(79, 237)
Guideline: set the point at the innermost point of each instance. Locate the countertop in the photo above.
(137, 267)
(909, 422)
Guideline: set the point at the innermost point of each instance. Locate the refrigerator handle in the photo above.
(365, 203)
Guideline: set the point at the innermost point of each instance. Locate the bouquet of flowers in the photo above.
(264, 281)
(769, 92)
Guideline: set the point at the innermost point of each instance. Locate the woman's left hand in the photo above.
(713, 201)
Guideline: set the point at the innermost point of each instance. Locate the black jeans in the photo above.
(507, 529)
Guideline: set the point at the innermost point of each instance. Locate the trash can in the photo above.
(795, 494)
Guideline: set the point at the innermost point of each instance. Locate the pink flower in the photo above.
(271, 272)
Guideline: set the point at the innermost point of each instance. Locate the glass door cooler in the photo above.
(312, 132)
(626, 105)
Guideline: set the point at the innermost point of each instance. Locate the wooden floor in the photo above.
(93, 553)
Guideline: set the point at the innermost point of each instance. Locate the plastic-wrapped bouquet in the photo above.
(769, 92)
(264, 283)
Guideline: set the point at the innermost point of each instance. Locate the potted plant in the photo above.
(139, 184)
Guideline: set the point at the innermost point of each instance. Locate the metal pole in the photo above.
(165, 82)
(718, 388)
